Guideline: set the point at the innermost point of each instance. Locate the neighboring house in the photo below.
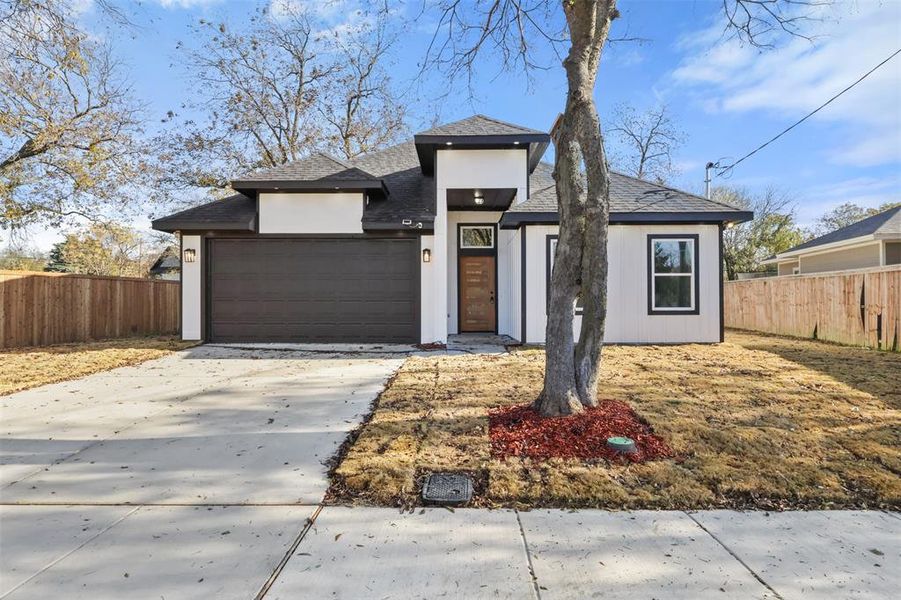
(167, 266)
(451, 232)
(872, 242)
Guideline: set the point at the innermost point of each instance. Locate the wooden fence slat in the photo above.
(861, 307)
(39, 309)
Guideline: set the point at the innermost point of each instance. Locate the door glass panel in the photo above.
(477, 237)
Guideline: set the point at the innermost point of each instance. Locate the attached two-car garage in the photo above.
(352, 289)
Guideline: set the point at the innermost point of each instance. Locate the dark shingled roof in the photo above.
(627, 195)
(237, 212)
(411, 195)
(885, 223)
(401, 191)
(169, 260)
(480, 125)
(318, 167)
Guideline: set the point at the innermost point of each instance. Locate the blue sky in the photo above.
(725, 97)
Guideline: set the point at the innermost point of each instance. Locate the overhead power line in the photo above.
(723, 170)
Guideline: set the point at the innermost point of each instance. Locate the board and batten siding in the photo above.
(628, 321)
(303, 212)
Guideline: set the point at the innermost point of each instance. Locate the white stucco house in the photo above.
(451, 232)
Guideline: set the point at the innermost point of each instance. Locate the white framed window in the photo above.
(672, 274)
(476, 237)
(551, 252)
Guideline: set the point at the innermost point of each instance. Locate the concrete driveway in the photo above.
(208, 461)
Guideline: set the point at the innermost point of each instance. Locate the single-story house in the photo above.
(872, 242)
(451, 232)
(167, 266)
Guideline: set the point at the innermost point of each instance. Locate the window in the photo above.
(672, 274)
(551, 251)
(476, 237)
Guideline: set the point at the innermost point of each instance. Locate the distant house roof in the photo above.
(885, 225)
(168, 261)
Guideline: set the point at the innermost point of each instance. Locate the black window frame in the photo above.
(548, 260)
(696, 273)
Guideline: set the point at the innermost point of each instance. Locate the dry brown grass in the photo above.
(23, 368)
(759, 421)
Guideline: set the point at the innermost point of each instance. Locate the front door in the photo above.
(478, 295)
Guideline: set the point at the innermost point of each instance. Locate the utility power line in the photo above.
(723, 170)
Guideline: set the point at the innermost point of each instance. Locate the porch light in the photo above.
(478, 197)
(190, 255)
(426, 255)
(729, 224)
(448, 143)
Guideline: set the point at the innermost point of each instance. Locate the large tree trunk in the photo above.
(580, 262)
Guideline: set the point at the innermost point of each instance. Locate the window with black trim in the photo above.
(673, 274)
(473, 237)
(551, 251)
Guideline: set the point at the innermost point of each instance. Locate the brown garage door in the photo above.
(314, 290)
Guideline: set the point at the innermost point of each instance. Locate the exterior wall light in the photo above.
(426, 255)
(730, 225)
(478, 197)
(190, 255)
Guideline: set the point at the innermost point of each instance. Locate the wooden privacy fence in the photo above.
(38, 309)
(858, 307)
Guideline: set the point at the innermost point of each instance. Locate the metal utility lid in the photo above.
(447, 488)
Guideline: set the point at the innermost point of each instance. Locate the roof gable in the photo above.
(318, 169)
(479, 125)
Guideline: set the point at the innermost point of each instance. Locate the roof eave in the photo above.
(317, 185)
(188, 225)
(513, 220)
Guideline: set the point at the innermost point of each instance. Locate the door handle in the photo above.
(491, 298)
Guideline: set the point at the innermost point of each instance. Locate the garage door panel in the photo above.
(315, 290)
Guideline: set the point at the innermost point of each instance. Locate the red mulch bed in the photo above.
(518, 431)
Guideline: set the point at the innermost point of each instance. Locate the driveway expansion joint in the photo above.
(525, 546)
(291, 550)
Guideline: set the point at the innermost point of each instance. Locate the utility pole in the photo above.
(707, 179)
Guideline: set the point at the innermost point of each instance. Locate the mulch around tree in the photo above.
(519, 431)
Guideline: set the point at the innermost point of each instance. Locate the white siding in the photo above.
(628, 320)
(298, 212)
(191, 289)
(427, 291)
(456, 169)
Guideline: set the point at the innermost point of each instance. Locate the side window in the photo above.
(551, 248)
(672, 274)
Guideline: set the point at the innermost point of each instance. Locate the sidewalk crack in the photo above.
(735, 556)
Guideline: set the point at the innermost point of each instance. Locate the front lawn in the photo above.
(23, 368)
(759, 421)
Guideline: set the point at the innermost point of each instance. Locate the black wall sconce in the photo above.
(426, 255)
(190, 255)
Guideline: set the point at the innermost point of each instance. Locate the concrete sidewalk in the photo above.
(100, 552)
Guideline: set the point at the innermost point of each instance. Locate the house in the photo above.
(872, 242)
(453, 231)
(167, 266)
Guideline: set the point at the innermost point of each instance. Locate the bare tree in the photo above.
(362, 111)
(773, 229)
(276, 89)
(647, 142)
(68, 125)
(512, 29)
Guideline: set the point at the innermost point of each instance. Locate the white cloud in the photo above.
(186, 3)
(799, 76)
(863, 191)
